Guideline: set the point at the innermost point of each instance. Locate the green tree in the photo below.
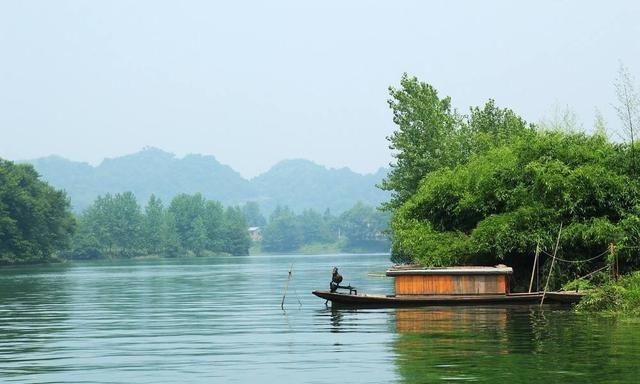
(35, 220)
(85, 244)
(236, 236)
(489, 127)
(283, 233)
(127, 226)
(364, 228)
(314, 228)
(423, 142)
(499, 205)
(152, 225)
(170, 238)
(215, 226)
(431, 136)
(115, 222)
(186, 209)
(485, 188)
(252, 214)
(198, 236)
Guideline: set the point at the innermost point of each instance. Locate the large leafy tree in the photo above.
(113, 224)
(499, 205)
(489, 187)
(430, 135)
(35, 220)
(427, 131)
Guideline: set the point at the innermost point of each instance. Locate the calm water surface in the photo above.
(219, 320)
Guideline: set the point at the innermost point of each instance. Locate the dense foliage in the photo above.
(622, 296)
(116, 226)
(35, 219)
(361, 228)
(486, 188)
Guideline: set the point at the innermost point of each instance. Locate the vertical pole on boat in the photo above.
(535, 262)
(286, 285)
(553, 261)
(613, 256)
(538, 275)
(617, 265)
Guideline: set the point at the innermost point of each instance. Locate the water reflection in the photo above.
(514, 344)
(336, 319)
(219, 320)
(31, 316)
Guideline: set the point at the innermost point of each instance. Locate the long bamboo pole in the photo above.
(286, 285)
(535, 262)
(553, 261)
(614, 261)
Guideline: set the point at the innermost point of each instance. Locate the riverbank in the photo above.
(615, 297)
(335, 248)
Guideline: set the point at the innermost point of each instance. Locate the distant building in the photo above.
(255, 233)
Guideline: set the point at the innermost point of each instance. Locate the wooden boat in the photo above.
(415, 286)
(369, 300)
(568, 297)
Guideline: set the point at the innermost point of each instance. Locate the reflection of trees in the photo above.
(514, 344)
(32, 311)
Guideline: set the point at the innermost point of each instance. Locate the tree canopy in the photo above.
(116, 226)
(487, 187)
(35, 218)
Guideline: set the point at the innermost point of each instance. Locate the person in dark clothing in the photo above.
(336, 279)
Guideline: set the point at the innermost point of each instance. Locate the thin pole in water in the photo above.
(553, 261)
(538, 275)
(286, 285)
(535, 262)
(614, 260)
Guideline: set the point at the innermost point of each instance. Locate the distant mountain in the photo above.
(299, 184)
(302, 184)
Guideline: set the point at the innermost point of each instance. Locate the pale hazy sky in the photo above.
(255, 82)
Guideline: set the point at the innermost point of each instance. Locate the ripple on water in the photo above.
(219, 320)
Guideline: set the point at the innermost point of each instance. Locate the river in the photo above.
(219, 320)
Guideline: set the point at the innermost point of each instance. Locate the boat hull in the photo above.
(567, 297)
(346, 299)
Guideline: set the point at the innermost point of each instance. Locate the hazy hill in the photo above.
(303, 184)
(299, 184)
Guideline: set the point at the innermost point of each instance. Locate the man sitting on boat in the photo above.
(336, 279)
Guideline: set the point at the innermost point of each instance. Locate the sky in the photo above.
(256, 82)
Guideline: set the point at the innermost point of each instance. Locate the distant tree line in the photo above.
(37, 225)
(117, 226)
(361, 228)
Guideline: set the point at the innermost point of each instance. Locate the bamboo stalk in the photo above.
(286, 285)
(553, 261)
(535, 262)
(614, 261)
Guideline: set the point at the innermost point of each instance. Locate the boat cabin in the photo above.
(414, 280)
